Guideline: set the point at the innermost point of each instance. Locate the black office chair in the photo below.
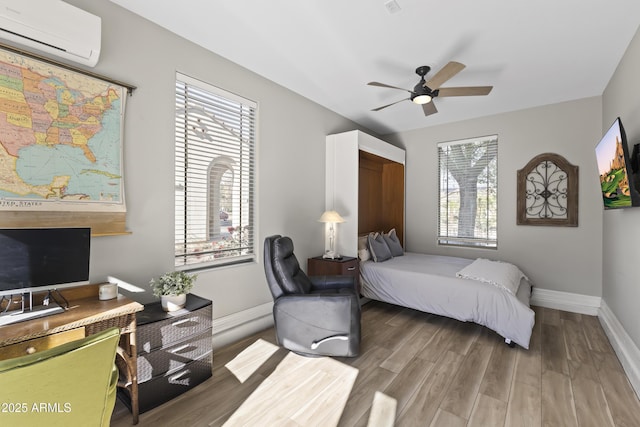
(314, 316)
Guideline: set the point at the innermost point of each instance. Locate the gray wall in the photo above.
(621, 228)
(290, 162)
(291, 143)
(564, 259)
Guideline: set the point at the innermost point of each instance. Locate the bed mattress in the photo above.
(428, 283)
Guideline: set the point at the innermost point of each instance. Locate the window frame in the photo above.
(219, 127)
(445, 236)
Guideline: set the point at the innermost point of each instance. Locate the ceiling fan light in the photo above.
(421, 99)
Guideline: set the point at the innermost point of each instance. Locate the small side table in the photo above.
(345, 266)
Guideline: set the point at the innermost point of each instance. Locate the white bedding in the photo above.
(428, 283)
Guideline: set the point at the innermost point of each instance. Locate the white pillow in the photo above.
(499, 273)
(364, 254)
(362, 242)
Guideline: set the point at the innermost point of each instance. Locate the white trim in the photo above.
(566, 301)
(380, 148)
(215, 89)
(627, 352)
(234, 327)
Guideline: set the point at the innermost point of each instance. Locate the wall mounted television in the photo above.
(616, 177)
(38, 259)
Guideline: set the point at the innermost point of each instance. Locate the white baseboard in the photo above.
(234, 327)
(626, 350)
(575, 303)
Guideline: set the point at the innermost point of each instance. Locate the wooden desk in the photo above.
(87, 315)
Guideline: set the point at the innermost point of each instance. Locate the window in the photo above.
(468, 189)
(214, 175)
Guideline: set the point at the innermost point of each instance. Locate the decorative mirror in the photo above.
(548, 192)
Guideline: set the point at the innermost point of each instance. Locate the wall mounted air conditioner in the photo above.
(52, 27)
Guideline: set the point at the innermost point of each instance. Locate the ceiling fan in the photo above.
(424, 92)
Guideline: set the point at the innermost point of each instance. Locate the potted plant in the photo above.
(172, 288)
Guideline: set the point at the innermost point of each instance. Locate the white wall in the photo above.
(291, 144)
(621, 229)
(564, 259)
(290, 162)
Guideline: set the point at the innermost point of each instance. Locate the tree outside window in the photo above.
(468, 188)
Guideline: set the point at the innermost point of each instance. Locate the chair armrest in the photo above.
(332, 282)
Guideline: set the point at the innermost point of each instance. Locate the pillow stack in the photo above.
(383, 246)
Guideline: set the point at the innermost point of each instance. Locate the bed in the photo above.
(430, 283)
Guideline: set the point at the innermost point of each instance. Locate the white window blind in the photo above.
(214, 175)
(468, 190)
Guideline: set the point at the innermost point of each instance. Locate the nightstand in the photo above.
(345, 266)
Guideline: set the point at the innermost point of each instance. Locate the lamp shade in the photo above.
(331, 216)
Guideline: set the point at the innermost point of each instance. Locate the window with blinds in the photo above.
(468, 192)
(214, 175)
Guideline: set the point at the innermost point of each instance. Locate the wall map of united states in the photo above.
(60, 138)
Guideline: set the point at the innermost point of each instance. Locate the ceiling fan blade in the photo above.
(389, 105)
(448, 71)
(429, 108)
(465, 91)
(389, 86)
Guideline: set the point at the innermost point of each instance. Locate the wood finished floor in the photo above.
(442, 372)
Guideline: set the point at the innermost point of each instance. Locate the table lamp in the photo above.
(332, 218)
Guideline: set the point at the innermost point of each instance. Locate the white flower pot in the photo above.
(173, 302)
